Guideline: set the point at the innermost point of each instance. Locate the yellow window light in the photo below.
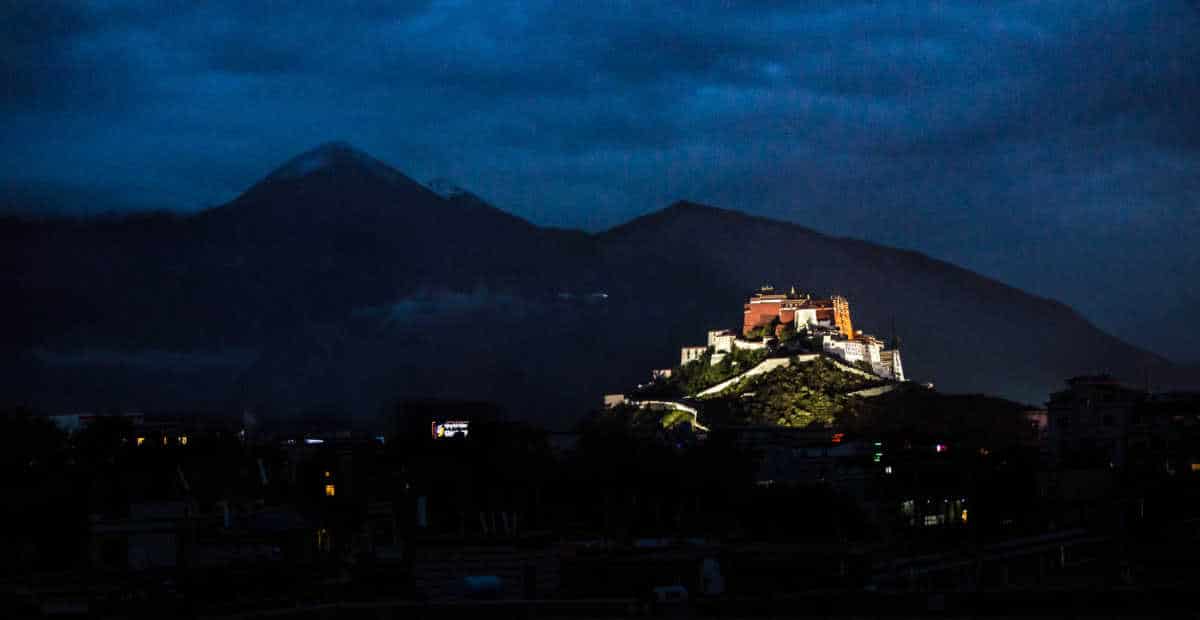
(330, 490)
(141, 440)
(183, 440)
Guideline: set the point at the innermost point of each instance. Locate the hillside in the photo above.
(962, 331)
(805, 393)
(339, 284)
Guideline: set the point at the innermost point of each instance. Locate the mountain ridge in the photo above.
(292, 266)
(686, 208)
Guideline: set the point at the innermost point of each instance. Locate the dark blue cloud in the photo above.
(1052, 145)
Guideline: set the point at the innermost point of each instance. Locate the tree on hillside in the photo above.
(702, 374)
(798, 395)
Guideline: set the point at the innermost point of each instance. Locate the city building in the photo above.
(1089, 423)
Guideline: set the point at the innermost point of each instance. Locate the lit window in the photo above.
(164, 440)
(964, 515)
(328, 475)
(887, 470)
(183, 440)
(1195, 466)
(330, 491)
(141, 440)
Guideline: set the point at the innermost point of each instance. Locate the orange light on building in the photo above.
(841, 316)
(328, 475)
(330, 490)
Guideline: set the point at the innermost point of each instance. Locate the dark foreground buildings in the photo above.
(1089, 507)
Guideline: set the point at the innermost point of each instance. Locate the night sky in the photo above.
(1052, 145)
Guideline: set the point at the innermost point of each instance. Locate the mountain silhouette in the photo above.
(339, 284)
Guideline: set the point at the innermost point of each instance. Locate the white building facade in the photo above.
(688, 355)
(721, 340)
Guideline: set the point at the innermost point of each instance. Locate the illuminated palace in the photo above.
(766, 306)
(827, 319)
(823, 322)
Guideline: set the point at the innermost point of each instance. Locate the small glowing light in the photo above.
(1195, 466)
(837, 437)
(328, 475)
(313, 442)
(964, 515)
(887, 470)
(164, 440)
(183, 440)
(141, 440)
(330, 490)
(941, 447)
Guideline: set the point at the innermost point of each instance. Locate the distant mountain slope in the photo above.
(338, 283)
(960, 330)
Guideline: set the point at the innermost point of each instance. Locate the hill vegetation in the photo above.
(700, 374)
(807, 394)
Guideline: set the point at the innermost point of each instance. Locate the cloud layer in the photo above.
(1055, 146)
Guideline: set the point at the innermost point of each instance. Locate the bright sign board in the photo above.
(449, 429)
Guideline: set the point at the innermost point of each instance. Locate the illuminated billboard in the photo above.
(450, 429)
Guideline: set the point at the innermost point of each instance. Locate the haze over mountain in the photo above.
(338, 284)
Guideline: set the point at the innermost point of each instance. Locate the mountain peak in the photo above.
(336, 154)
(683, 206)
(683, 212)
